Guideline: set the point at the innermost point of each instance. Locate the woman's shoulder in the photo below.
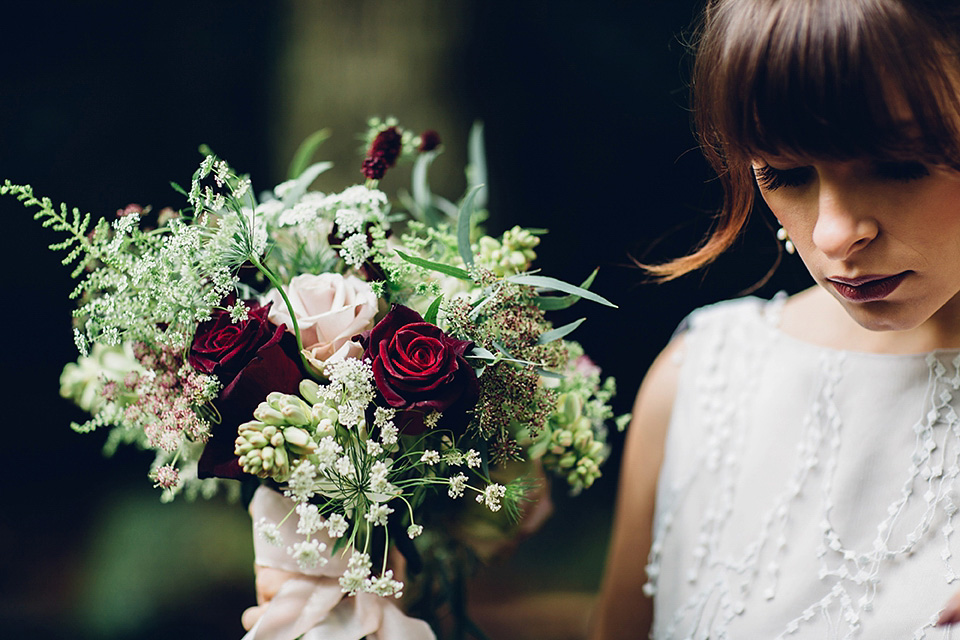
(747, 311)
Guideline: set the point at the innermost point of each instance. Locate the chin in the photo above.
(874, 317)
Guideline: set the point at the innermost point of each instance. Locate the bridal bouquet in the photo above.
(380, 368)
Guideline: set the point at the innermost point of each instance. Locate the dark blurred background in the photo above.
(103, 102)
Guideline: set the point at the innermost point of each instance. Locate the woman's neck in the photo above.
(814, 316)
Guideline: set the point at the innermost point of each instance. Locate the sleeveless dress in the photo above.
(806, 492)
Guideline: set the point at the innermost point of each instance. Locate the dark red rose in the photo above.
(419, 369)
(251, 359)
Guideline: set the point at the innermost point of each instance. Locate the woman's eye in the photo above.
(902, 171)
(771, 179)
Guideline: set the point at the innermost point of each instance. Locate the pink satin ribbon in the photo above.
(312, 604)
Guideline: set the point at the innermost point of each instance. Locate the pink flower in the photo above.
(331, 309)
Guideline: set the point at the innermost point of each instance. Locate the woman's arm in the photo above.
(623, 611)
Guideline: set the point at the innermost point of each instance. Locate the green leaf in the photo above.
(420, 185)
(179, 189)
(559, 332)
(445, 269)
(554, 303)
(545, 282)
(301, 159)
(304, 180)
(477, 159)
(431, 315)
(463, 225)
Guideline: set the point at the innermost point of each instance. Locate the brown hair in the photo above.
(835, 79)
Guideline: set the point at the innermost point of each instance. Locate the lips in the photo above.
(867, 288)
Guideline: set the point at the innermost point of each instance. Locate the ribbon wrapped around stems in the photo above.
(311, 604)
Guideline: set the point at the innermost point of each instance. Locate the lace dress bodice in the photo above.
(806, 492)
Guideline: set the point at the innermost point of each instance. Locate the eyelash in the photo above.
(772, 179)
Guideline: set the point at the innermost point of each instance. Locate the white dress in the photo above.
(806, 492)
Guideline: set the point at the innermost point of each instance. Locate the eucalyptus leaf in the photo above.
(301, 159)
(559, 332)
(445, 269)
(554, 303)
(558, 285)
(303, 182)
(477, 159)
(421, 186)
(463, 225)
(433, 310)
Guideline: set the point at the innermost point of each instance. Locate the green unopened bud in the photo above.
(269, 414)
(296, 411)
(567, 460)
(310, 390)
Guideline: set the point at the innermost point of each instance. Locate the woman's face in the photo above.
(882, 237)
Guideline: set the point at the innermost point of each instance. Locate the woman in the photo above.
(792, 466)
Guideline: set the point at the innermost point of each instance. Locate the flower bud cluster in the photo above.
(572, 448)
(280, 433)
(511, 254)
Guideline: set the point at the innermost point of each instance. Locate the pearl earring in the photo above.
(785, 239)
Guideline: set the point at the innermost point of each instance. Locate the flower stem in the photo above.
(293, 316)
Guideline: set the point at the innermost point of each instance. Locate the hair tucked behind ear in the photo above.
(836, 79)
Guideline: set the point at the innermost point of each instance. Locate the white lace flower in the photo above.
(491, 496)
(377, 515)
(268, 532)
(430, 457)
(308, 553)
(473, 458)
(384, 585)
(457, 484)
(414, 530)
(310, 519)
(358, 569)
(336, 525)
(300, 485)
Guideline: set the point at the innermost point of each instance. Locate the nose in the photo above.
(843, 225)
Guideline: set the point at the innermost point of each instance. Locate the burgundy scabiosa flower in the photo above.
(429, 140)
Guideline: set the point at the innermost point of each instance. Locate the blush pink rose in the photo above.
(331, 309)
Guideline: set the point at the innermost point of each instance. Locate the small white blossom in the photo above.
(344, 466)
(308, 553)
(457, 484)
(300, 484)
(473, 458)
(378, 479)
(349, 221)
(377, 515)
(432, 418)
(430, 457)
(491, 496)
(268, 532)
(355, 250)
(414, 530)
(327, 451)
(453, 458)
(336, 525)
(384, 586)
(374, 448)
(389, 434)
(358, 569)
(310, 519)
(238, 312)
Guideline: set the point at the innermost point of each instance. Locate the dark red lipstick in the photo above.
(867, 288)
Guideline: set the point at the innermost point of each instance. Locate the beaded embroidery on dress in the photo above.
(806, 493)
